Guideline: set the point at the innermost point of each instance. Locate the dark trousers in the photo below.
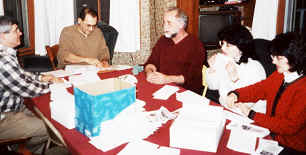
(289, 151)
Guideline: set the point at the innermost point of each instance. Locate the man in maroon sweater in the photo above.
(177, 56)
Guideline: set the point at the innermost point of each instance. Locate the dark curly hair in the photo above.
(241, 37)
(292, 46)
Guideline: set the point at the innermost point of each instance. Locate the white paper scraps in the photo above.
(165, 92)
(81, 68)
(191, 97)
(268, 147)
(132, 124)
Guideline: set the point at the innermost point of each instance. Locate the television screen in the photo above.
(211, 22)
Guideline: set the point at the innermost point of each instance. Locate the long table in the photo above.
(78, 144)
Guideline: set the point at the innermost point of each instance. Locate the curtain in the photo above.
(265, 19)
(125, 18)
(50, 18)
(1, 8)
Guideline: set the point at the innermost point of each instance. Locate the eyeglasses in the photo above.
(277, 57)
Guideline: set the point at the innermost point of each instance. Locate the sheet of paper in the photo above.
(237, 118)
(139, 147)
(168, 151)
(241, 141)
(120, 67)
(165, 92)
(60, 73)
(190, 97)
(84, 78)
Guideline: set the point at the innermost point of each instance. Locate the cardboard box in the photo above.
(100, 101)
(198, 132)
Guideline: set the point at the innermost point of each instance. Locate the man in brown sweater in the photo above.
(83, 43)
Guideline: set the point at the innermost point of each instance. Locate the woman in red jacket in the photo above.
(285, 92)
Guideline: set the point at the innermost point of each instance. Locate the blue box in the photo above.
(100, 101)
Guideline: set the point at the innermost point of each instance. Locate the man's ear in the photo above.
(79, 20)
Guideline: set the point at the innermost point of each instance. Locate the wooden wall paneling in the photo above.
(191, 7)
(280, 16)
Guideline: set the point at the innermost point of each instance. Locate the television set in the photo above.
(211, 22)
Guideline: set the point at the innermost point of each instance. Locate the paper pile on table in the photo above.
(198, 127)
(62, 106)
(243, 136)
(132, 124)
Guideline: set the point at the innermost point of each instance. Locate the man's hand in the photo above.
(157, 78)
(51, 79)
(93, 61)
(103, 64)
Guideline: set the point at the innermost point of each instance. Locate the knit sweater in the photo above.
(72, 41)
(184, 58)
(289, 122)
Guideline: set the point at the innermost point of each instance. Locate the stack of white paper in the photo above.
(188, 96)
(165, 92)
(198, 127)
(243, 136)
(62, 106)
(132, 124)
(144, 147)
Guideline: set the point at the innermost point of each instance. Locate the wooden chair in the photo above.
(204, 68)
(54, 135)
(52, 54)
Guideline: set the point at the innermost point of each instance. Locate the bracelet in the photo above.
(251, 114)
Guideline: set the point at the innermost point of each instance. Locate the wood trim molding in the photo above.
(280, 16)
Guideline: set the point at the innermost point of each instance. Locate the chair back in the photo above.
(52, 53)
(262, 54)
(110, 36)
